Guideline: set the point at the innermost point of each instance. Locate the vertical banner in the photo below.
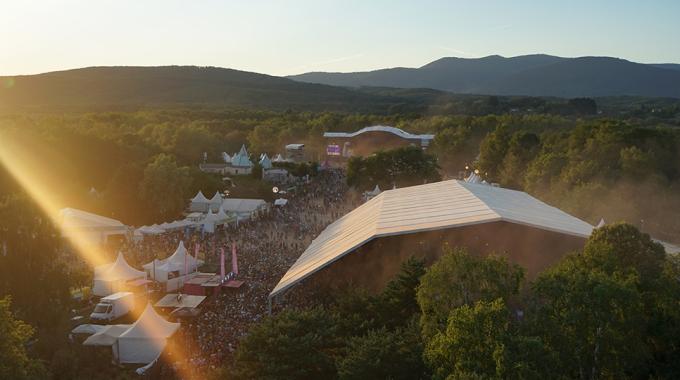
(222, 263)
(234, 260)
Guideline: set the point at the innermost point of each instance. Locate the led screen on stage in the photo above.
(333, 150)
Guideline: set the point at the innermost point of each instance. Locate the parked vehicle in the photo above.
(113, 307)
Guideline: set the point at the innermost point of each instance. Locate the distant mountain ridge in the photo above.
(532, 75)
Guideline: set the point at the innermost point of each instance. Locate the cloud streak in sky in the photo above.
(327, 62)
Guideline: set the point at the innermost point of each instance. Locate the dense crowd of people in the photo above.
(267, 245)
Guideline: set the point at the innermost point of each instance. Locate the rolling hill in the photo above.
(533, 75)
(116, 87)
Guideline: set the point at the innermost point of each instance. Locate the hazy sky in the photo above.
(290, 37)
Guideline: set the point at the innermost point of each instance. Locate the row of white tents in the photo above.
(225, 208)
(114, 277)
(200, 203)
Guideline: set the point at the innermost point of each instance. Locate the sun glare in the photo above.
(23, 165)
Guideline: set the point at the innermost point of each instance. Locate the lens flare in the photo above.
(8, 82)
(27, 166)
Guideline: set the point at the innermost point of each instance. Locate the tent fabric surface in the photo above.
(107, 335)
(199, 198)
(175, 262)
(119, 270)
(473, 178)
(108, 275)
(242, 206)
(427, 207)
(74, 218)
(145, 339)
(216, 199)
(241, 159)
(88, 329)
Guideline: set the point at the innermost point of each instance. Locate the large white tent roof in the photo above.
(427, 207)
(74, 218)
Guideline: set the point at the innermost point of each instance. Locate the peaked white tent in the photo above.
(92, 227)
(226, 157)
(473, 178)
(265, 162)
(241, 159)
(109, 278)
(199, 202)
(221, 216)
(160, 269)
(279, 158)
(216, 201)
(373, 193)
(145, 339)
(209, 222)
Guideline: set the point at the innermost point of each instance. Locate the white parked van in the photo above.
(113, 307)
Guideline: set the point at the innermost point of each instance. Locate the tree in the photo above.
(265, 139)
(521, 150)
(31, 271)
(384, 354)
(582, 106)
(473, 343)
(257, 171)
(165, 186)
(405, 166)
(492, 151)
(398, 304)
(594, 321)
(14, 335)
(623, 248)
(451, 142)
(458, 279)
(291, 345)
